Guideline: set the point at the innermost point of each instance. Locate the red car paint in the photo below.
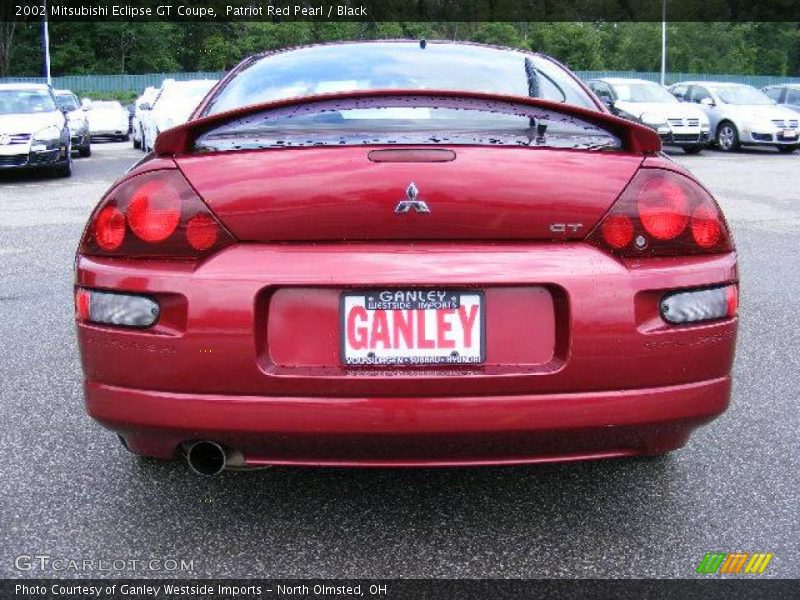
(302, 194)
(246, 352)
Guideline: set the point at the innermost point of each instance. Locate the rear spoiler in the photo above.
(635, 138)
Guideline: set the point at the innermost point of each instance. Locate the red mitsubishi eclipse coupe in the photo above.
(405, 254)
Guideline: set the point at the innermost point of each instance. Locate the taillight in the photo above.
(154, 210)
(662, 213)
(693, 306)
(109, 228)
(156, 215)
(115, 308)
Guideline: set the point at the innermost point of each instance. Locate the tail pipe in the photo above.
(210, 458)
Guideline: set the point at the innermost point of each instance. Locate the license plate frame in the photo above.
(398, 361)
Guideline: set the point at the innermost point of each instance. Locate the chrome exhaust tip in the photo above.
(206, 458)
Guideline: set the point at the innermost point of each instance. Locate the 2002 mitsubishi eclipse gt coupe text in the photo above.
(402, 254)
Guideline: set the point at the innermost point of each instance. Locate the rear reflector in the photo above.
(125, 310)
(700, 305)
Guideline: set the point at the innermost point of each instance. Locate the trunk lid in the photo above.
(353, 193)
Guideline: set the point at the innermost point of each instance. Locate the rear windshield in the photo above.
(398, 65)
(417, 120)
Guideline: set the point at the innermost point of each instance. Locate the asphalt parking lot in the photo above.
(70, 491)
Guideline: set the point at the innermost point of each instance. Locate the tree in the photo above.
(84, 47)
(500, 34)
(7, 28)
(578, 45)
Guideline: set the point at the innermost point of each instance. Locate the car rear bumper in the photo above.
(247, 352)
(412, 431)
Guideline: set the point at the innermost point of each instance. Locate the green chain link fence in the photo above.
(137, 83)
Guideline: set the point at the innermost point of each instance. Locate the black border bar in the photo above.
(742, 588)
(373, 11)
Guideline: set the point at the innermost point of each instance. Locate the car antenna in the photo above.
(422, 44)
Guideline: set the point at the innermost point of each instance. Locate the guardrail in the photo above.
(137, 83)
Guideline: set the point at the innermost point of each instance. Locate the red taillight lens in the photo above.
(662, 213)
(202, 231)
(156, 214)
(154, 210)
(706, 227)
(109, 228)
(663, 208)
(617, 231)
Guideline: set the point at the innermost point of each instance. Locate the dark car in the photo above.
(77, 121)
(131, 108)
(33, 130)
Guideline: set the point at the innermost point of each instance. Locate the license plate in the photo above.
(788, 133)
(412, 327)
(13, 149)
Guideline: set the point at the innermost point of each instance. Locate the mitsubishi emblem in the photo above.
(411, 201)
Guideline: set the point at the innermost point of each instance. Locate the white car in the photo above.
(143, 104)
(33, 131)
(741, 115)
(174, 105)
(108, 119)
(646, 102)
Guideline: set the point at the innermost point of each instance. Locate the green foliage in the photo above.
(147, 47)
(123, 96)
(501, 34)
(578, 45)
